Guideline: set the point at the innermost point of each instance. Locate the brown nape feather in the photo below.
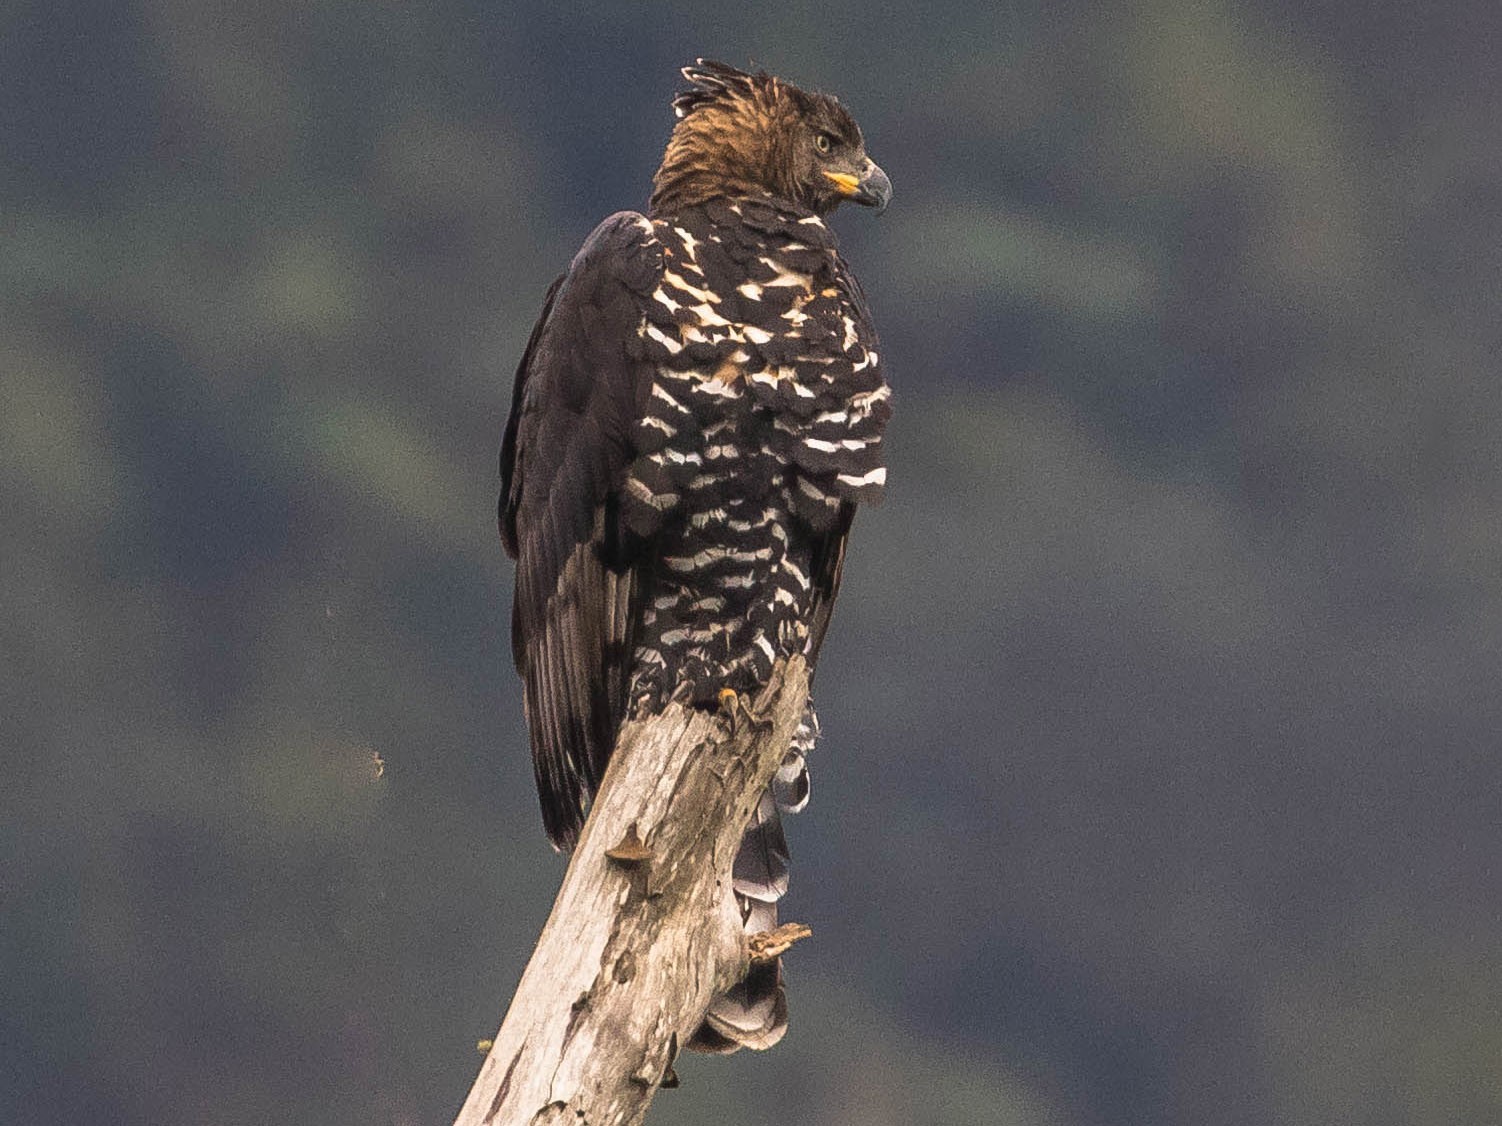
(736, 138)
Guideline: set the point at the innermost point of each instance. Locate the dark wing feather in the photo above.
(829, 546)
(579, 393)
(828, 569)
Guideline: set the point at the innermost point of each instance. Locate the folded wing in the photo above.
(581, 538)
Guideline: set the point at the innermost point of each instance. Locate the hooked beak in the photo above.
(870, 189)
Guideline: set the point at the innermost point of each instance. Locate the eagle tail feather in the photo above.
(760, 871)
(754, 1012)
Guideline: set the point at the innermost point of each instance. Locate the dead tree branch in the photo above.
(645, 931)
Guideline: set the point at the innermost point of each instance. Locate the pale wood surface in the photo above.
(635, 948)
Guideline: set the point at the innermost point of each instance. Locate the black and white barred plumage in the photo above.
(696, 417)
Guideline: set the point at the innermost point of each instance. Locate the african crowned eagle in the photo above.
(696, 416)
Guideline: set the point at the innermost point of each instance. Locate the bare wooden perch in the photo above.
(645, 930)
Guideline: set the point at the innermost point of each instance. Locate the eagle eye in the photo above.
(824, 142)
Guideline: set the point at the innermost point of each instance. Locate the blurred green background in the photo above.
(1159, 782)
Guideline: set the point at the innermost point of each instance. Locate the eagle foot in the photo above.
(737, 709)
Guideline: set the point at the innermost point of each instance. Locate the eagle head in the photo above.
(742, 135)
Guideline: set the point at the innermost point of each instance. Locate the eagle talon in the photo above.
(737, 709)
(731, 706)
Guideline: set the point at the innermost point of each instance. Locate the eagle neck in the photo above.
(763, 218)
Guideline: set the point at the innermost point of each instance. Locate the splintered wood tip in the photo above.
(766, 946)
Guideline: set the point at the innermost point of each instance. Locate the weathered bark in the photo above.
(640, 939)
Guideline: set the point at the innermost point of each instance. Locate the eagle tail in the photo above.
(754, 1012)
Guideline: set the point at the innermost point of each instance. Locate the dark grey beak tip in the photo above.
(875, 190)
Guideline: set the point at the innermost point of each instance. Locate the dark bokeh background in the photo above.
(1160, 782)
